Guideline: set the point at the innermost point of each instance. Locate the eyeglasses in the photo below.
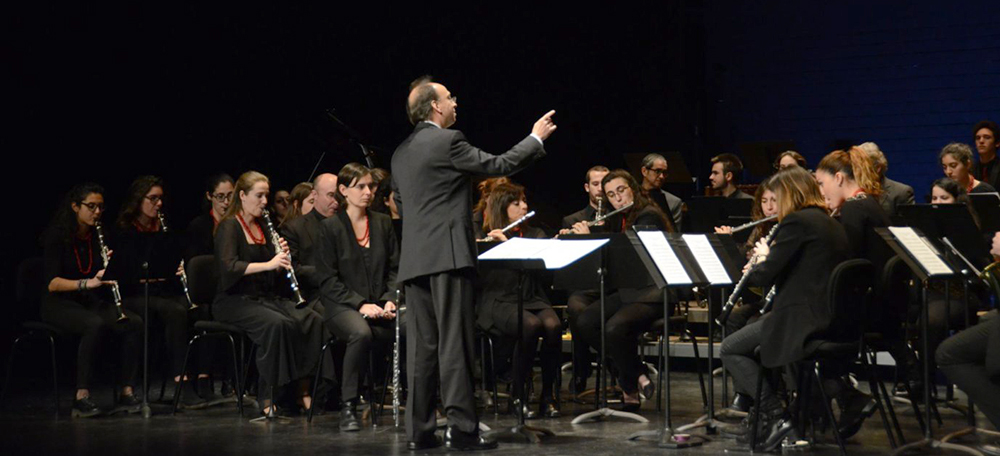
(153, 199)
(662, 172)
(223, 197)
(620, 191)
(93, 207)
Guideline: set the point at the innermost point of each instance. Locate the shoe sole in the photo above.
(79, 414)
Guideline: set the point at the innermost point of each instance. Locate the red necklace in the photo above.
(246, 227)
(90, 255)
(972, 183)
(517, 231)
(215, 221)
(858, 192)
(364, 239)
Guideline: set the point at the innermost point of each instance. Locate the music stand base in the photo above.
(529, 434)
(147, 412)
(600, 414)
(702, 421)
(930, 444)
(666, 438)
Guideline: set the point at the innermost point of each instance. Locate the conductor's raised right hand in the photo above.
(544, 126)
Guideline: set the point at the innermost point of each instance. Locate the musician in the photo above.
(497, 307)
(302, 234)
(431, 180)
(250, 296)
(808, 245)
(894, 194)
(790, 158)
(78, 302)
(956, 161)
(727, 170)
(300, 201)
(282, 201)
(200, 232)
(167, 305)
(383, 186)
(485, 187)
(628, 312)
(654, 174)
(357, 260)
(591, 185)
(850, 182)
(986, 137)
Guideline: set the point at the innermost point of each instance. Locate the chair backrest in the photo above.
(30, 287)
(894, 288)
(203, 279)
(850, 288)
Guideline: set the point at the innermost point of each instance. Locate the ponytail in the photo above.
(857, 166)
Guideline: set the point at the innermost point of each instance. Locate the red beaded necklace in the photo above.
(364, 239)
(90, 255)
(246, 227)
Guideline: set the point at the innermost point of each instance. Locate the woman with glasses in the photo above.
(78, 302)
(201, 232)
(629, 312)
(139, 216)
(358, 261)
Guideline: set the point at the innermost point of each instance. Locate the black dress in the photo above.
(90, 314)
(288, 340)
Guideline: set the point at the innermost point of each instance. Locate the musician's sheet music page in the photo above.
(920, 250)
(707, 259)
(556, 253)
(664, 257)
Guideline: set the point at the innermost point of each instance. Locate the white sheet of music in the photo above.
(707, 259)
(556, 253)
(664, 257)
(912, 242)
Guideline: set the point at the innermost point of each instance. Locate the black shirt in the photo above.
(234, 254)
(988, 173)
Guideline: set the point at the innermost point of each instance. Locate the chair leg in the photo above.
(236, 370)
(184, 369)
(873, 385)
(55, 376)
(315, 384)
(697, 361)
(371, 388)
(493, 372)
(829, 411)
(10, 368)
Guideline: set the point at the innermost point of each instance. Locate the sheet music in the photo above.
(923, 253)
(556, 253)
(707, 259)
(664, 257)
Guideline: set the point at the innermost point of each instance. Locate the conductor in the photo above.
(431, 173)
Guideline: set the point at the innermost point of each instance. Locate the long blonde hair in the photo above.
(795, 189)
(243, 184)
(857, 165)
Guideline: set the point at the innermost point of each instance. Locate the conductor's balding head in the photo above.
(431, 101)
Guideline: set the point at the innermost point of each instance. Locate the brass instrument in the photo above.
(731, 302)
(276, 240)
(106, 256)
(184, 276)
(510, 227)
(609, 214)
(754, 223)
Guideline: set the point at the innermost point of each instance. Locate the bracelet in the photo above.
(82, 285)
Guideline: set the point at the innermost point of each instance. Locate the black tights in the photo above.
(625, 323)
(544, 324)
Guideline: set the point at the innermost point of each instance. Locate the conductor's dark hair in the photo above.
(730, 164)
(64, 224)
(420, 108)
(133, 199)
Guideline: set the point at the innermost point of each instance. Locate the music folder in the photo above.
(668, 259)
(923, 258)
(540, 253)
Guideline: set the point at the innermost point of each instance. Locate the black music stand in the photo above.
(142, 258)
(708, 212)
(659, 251)
(925, 271)
(534, 255)
(987, 207)
(617, 265)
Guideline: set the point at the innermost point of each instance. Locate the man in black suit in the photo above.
(302, 234)
(594, 192)
(431, 179)
(654, 174)
(894, 194)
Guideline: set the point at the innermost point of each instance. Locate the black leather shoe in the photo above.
(85, 408)
(648, 390)
(783, 428)
(128, 404)
(547, 409)
(456, 440)
(856, 409)
(523, 409)
(206, 392)
(741, 402)
(425, 444)
(348, 418)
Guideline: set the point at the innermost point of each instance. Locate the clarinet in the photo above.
(184, 276)
(276, 240)
(106, 256)
(731, 302)
(769, 299)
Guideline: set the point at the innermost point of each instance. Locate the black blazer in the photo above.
(301, 234)
(809, 244)
(895, 194)
(431, 175)
(346, 281)
(582, 215)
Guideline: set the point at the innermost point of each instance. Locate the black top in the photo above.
(73, 259)
(738, 194)
(347, 280)
(984, 187)
(988, 173)
(859, 217)
(583, 215)
(807, 247)
(200, 238)
(234, 254)
(648, 216)
(301, 234)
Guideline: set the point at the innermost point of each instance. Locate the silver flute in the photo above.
(395, 366)
(276, 240)
(731, 302)
(184, 276)
(754, 223)
(511, 226)
(106, 256)
(604, 217)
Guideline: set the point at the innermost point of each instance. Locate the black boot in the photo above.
(349, 417)
(855, 407)
(741, 403)
(85, 408)
(771, 413)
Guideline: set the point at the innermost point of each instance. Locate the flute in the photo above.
(754, 223)
(184, 276)
(600, 219)
(395, 366)
(276, 240)
(511, 226)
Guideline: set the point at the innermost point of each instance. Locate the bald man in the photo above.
(431, 172)
(302, 234)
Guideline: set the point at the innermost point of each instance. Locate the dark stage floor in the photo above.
(29, 426)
